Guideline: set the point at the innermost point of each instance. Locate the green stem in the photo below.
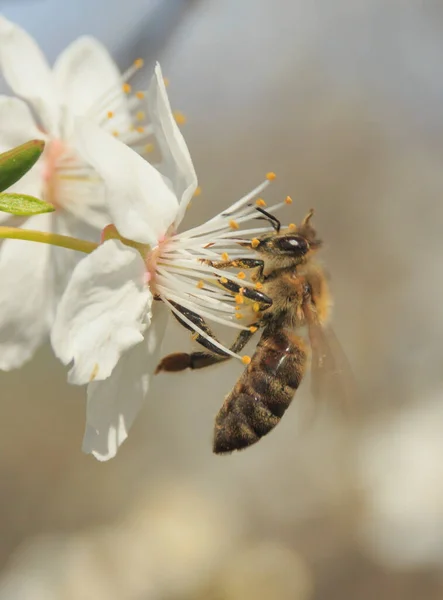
(63, 241)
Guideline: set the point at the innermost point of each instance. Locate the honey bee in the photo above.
(293, 294)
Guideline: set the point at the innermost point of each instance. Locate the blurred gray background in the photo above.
(344, 101)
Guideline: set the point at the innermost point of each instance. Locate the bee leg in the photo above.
(263, 300)
(201, 323)
(243, 263)
(179, 361)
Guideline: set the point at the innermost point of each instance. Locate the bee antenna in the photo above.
(272, 220)
(308, 217)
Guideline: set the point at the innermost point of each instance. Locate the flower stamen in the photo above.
(184, 272)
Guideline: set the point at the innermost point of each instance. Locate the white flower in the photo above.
(107, 325)
(84, 81)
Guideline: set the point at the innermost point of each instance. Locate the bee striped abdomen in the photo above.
(263, 392)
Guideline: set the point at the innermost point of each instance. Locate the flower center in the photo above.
(151, 259)
(51, 157)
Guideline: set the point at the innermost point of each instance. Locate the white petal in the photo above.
(84, 73)
(64, 261)
(25, 296)
(102, 313)
(17, 124)
(85, 201)
(27, 72)
(141, 204)
(114, 403)
(177, 163)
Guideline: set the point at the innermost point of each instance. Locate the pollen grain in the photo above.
(179, 117)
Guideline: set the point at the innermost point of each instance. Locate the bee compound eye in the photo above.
(294, 244)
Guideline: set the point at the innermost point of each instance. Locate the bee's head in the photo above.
(294, 242)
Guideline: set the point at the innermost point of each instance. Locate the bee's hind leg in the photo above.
(179, 361)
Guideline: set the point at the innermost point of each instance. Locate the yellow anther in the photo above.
(258, 285)
(288, 200)
(140, 116)
(109, 114)
(241, 275)
(140, 129)
(198, 191)
(234, 263)
(233, 224)
(239, 299)
(256, 307)
(239, 316)
(260, 202)
(200, 285)
(246, 359)
(149, 147)
(115, 133)
(126, 88)
(237, 307)
(179, 117)
(225, 256)
(292, 226)
(138, 63)
(254, 243)
(223, 280)
(140, 95)
(271, 176)
(242, 290)
(166, 81)
(253, 329)
(194, 336)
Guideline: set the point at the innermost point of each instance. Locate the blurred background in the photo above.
(344, 101)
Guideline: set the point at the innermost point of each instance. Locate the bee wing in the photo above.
(331, 373)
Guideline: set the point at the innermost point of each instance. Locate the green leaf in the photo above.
(16, 162)
(23, 206)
